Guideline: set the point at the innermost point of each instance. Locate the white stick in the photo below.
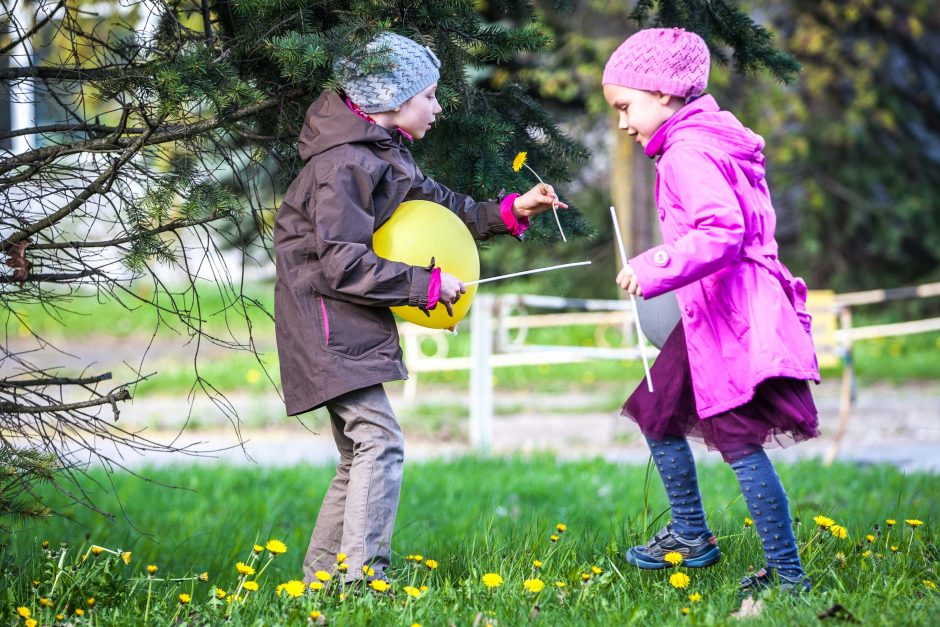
(554, 204)
(641, 340)
(508, 276)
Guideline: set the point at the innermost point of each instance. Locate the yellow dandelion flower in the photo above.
(695, 597)
(90, 601)
(431, 564)
(340, 558)
(35, 583)
(415, 624)
(79, 611)
(204, 576)
(597, 570)
(342, 567)
(914, 523)
(866, 554)
(151, 569)
(561, 527)
(45, 544)
(342, 597)
(184, 598)
(418, 558)
(519, 161)
(60, 616)
(891, 522)
(322, 575)
(560, 584)
(379, 585)
(673, 558)
(279, 589)
(870, 538)
(44, 602)
(553, 538)
(839, 531)
(492, 580)
(930, 584)
(251, 586)
(96, 550)
(684, 611)
(748, 522)
(24, 612)
(316, 586)
(126, 556)
(244, 569)
(533, 585)
(275, 547)
(824, 522)
(423, 588)
(679, 580)
(294, 588)
(412, 591)
(409, 558)
(257, 548)
(220, 593)
(894, 548)
(585, 577)
(536, 564)
(31, 622)
(368, 570)
(314, 615)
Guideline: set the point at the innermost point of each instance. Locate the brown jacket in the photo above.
(332, 294)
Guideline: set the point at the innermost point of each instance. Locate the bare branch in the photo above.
(109, 399)
(32, 31)
(55, 381)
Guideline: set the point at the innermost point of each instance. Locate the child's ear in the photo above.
(665, 99)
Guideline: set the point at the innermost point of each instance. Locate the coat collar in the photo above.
(657, 143)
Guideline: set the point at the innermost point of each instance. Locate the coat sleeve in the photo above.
(344, 221)
(708, 211)
(482, 218)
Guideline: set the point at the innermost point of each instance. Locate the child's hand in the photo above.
(627, 281)
(539, 199)
(451, 290)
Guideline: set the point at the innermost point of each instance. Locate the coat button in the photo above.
(660, 257)
(689, 311)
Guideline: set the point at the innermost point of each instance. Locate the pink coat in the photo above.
(744, 314)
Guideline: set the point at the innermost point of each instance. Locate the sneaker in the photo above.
(767, 578)
(696, 552)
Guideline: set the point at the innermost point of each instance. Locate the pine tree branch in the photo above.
(55, 381)
(50, 277)
(109, 399)
(66, 74)
(169, 226)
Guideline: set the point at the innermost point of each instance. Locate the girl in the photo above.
(337, 341)
(734, 372)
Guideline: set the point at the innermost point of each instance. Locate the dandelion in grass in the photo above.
(126, 557)
(870, 538)
(220, 593)
(680, 580)
(412, 591)
(431, 564)
(342, 567)
(322, 575)
(151, 569)
(561, 527)
(930, 584)
(673, 558)
(379, 585)
(316, 586)
(35, 583)
(824, 522)
(839, 531)
(279, 589)
(492, 580)
(257, 548)
(184, 598)
(891, 522)
(839, 559)
(866, 554)
(423, 588)
(314, 615)
(60, 616)
(45, 602)
(536, 564)
(204, 576)
(597, 570)
(533, 585)
(96, 550)
(894, 548)
(275, 547)
(560, 584)
(517, 164)
(251, 586)
(418, 558)
(553, 538)
(914, 523)
(24, 612)
(31, 622)
(340, 558)
(368, 570)
(79, 611)
(90, 601)
(695, 597)
(585, 577)
(685, 611)
(294, 588)
(244, 569)
(748, 522)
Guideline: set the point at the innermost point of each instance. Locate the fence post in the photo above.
(481, 373)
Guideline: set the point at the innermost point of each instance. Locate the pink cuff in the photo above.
(516, 226)
(434, 288)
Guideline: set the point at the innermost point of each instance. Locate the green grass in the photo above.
(476, 516)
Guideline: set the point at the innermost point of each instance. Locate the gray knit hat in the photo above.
(412, 68)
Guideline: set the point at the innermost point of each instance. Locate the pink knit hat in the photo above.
(669, 60)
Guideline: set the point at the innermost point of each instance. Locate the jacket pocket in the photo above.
(354, 331)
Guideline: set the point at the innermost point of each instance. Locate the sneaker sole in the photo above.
(702, 561)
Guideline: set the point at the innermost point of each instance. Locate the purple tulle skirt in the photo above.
(781, 413)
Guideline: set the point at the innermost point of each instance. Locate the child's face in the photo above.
(641, 112)
(417, 114)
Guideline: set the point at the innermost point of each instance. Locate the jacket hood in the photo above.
(330, 123)
(702, 122)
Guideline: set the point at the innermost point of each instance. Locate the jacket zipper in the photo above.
(326, 321)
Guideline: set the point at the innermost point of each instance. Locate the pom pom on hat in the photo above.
(673, 61)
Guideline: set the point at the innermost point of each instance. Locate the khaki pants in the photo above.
(358, 511)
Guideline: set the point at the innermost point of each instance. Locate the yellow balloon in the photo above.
(419, 230)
